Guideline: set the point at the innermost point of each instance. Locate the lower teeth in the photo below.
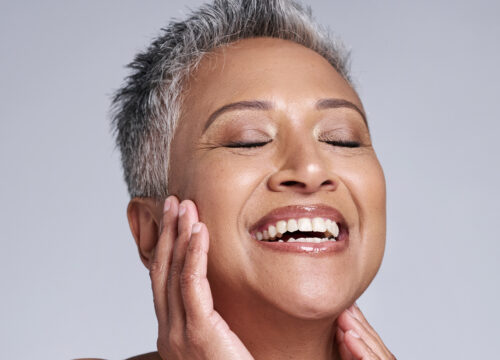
(307, 240)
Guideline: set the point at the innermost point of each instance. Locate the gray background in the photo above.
(71, 281)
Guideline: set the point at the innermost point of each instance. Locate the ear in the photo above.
(144, 216)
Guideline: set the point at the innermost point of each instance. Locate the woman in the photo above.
(272, 221)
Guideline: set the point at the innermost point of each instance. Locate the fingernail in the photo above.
(182, 209)
(196, 228)
(167, 204)
(354, 334)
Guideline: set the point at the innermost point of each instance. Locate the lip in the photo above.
(303, 211)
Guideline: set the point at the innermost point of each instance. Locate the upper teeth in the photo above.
(303, 224)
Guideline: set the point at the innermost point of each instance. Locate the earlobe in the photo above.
(144, 224)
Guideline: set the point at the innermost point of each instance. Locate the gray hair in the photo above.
(146, 109)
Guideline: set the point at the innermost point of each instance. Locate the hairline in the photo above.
(147, 108)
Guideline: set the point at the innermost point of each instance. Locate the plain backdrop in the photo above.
(72, 284)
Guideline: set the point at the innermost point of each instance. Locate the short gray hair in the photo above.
(146, 109)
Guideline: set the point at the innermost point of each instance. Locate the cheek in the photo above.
(366, 183)
(220, 185)
(373, 192)
(376, 220)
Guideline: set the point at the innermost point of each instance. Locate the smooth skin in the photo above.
(217, 294)
(190, 328)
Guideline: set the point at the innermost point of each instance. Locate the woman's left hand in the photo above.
(356, 338)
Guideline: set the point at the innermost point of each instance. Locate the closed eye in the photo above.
(341, 143)
(344, 143)
(246, 145)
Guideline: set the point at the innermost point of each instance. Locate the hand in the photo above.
(357, 339)
(188, 325)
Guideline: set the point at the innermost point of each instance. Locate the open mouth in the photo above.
(308, 230)
(311, 229)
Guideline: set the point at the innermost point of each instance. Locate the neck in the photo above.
(272, 334)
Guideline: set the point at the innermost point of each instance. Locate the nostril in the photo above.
(328, 185)
(293, 183)
(301, 185)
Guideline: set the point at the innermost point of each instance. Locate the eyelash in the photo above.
(247, 145)
(340, 143)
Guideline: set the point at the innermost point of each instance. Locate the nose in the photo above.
(302, 170)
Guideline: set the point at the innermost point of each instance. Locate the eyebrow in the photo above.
(321, 104)
(339, 103)
(240, 105)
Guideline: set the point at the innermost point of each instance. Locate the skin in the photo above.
(217, 294)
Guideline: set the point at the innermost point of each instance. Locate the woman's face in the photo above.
(311, 157)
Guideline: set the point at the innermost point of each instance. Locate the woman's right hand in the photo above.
(188, 325)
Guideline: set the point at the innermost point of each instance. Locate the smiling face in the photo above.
(271, 132)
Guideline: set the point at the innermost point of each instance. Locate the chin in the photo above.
(317, 309)
(312, 301)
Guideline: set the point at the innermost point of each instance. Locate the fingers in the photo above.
(344, 352)
(357, 346)
(356, 311)
(347, 321)
(188, 215)
(162, 255)
(359, 336)
(182, 294)
(194, 283)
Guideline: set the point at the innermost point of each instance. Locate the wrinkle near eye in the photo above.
(206, 146)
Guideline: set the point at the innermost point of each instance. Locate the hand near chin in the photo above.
(188, 325)
(356, 338)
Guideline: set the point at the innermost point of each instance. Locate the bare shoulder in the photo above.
(149, 356)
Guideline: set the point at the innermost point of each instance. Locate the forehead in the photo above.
(280, 71)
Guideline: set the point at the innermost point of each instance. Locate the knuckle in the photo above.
(371, 354)
(187, 279)
(183, 234)
(194, 248)
(155, 268)
(174, 272)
